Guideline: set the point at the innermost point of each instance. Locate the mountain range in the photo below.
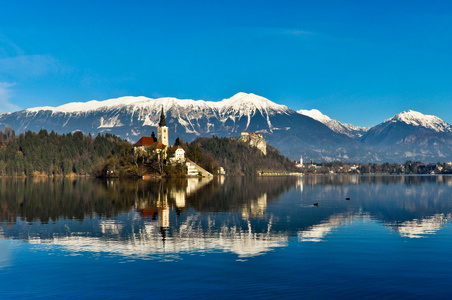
(407, 136)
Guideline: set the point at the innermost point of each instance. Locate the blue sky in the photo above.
(359, 62)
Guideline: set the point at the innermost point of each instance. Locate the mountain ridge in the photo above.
(339, 127)
(293, 133)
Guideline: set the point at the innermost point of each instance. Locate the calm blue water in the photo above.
(230, 237)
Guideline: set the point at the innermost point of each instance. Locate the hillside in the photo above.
(238, 158)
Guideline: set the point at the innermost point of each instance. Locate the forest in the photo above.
(51, 154)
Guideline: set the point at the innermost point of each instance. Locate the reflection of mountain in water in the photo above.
(318, 232)
(145, 238)
(423, 227)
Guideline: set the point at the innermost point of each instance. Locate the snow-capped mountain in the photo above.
(241, 104)
(406, 127)
(142, 112)
(412, 136)
(418, 119)
(336, 126)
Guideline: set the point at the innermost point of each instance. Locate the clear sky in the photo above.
(359, 62)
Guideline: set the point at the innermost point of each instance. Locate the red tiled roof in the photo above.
(145, 141)
(160, 145)
(256, 133)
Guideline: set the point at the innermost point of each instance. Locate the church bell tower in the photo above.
(162, 130)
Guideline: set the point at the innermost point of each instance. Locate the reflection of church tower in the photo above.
(163, 214)
(162, 130)
(300, 184)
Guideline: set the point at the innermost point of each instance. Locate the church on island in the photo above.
(160, 145)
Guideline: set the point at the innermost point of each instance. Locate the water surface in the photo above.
(227, 237)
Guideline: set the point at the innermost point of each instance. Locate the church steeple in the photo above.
(162, 119)
(162, 130)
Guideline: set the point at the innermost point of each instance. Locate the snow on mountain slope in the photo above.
(238, 102)
(412, 130)
(315, 114)
(250, 103)
(240, 107)
(136, 102)
(336, 126)
(418, 119)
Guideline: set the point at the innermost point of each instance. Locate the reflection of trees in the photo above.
(48, 200)
(53, 199)
(237, 192)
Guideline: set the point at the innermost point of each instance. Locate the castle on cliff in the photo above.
(254, 139)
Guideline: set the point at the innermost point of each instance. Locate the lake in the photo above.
(311, 237)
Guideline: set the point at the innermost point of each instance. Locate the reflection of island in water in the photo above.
(246, 216)
(144, 217)
(249, 196)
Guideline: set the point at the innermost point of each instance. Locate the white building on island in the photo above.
(180, 154)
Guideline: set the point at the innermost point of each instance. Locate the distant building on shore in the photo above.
(300, 165)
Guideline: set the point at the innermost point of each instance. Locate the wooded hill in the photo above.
(236, 157)
(51, 154)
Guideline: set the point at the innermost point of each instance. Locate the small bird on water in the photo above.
(347, 198)
(316, 204)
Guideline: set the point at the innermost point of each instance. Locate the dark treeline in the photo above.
(52, 154)
(50, 199)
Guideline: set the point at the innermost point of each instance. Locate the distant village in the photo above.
(409, 167)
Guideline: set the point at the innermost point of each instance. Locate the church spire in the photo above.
(162, 119)
(162, 130)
